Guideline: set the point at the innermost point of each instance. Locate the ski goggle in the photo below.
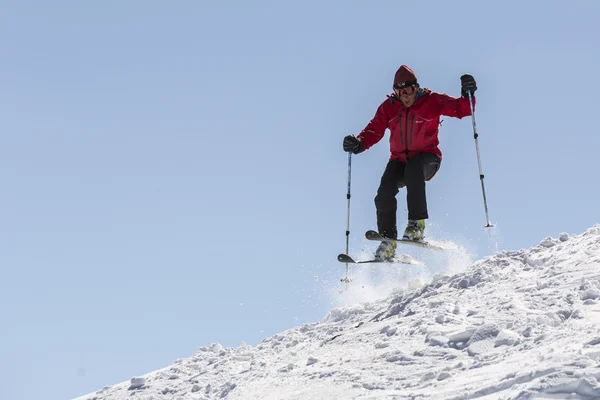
(404, 90)
(404, 84)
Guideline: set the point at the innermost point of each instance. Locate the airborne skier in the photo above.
(412, 114)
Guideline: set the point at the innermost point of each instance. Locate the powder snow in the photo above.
(521, 324)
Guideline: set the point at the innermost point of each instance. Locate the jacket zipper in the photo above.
(412, 127)
(406, 134)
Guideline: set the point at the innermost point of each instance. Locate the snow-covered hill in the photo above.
(516, 325)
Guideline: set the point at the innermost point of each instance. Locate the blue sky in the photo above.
(172, 174)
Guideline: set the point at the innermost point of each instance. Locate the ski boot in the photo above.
(386, 251)
(415, 230)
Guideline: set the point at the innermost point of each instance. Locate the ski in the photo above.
(401, 259)
(375, 236)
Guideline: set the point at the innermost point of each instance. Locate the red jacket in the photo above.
(413, 130)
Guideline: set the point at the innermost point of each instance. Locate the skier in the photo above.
(412, 114)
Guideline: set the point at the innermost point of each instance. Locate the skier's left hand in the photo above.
(467, 84)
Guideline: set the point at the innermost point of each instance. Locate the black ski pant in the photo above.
(412, 174)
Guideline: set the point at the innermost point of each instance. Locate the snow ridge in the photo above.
(519, 324)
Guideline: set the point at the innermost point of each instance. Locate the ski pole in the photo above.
(489, 224)
(348, 212)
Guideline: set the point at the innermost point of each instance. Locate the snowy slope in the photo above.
(516, 325)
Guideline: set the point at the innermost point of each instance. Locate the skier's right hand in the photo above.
(353, 145)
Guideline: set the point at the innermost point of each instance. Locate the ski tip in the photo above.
(370, 234)
(345, 258)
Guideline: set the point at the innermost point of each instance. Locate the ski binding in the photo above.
(375, 236)
(400, 259)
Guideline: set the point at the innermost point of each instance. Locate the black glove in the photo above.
(467, 84)
(353, 145)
